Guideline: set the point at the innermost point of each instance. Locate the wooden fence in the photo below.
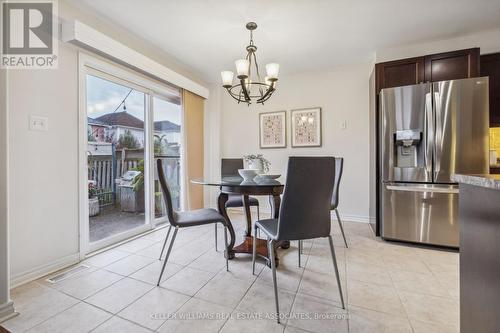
(101, 170)
(104, 169)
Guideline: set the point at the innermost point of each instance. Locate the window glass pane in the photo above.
(167, 147)
(115, 157)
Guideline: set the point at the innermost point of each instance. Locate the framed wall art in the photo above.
(306, 127)
(272, 129)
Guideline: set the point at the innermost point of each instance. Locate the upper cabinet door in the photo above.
(453, 65)
(399, 73)
(490, 67)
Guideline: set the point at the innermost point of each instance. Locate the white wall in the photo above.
(342, 94)
(44, 165)
(488, 41)
(6, 307)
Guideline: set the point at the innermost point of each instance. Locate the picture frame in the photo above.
(272, 130)
(306, 127)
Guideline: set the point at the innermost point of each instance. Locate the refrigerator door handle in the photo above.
(428, 134)
(438, 135)
(453, 189)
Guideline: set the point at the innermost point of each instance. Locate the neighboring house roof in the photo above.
(92, 121)
(167, 126)
(121, 119)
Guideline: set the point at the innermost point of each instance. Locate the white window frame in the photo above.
(93, 65)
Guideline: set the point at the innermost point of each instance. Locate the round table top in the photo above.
(236, 181)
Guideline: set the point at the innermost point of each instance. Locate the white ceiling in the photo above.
(301, 35)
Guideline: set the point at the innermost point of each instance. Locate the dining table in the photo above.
(259, 186)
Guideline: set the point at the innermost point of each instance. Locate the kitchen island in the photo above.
(479, 219)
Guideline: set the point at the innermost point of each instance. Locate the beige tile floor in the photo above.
(387, 287)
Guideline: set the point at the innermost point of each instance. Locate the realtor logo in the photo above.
(29, 35)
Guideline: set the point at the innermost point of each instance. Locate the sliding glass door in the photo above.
(116, 142)
(128, 127)
(167, 116)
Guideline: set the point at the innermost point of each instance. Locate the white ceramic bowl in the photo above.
(267, 176)
(248, 174)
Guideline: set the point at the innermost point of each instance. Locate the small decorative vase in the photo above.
(257, 165)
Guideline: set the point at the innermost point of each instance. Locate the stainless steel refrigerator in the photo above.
(428, 132)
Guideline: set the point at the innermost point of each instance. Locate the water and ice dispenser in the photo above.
(406, 142)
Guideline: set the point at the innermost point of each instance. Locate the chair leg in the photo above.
(168, 254)
(215, 225)
(254, 249)
(258, 219)
(165, 243)
(334, 259)
(340, 225)
(270, 245)
(300, 250)
(226, 252)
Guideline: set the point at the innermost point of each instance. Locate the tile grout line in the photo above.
(102, 289)
(300, 281)
(116, 316)
(191, 296)
(70, 307)
(401, 300)
(241, 300)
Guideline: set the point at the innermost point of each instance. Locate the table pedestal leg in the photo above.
(248, 215)
(221, 202)
(247, 245)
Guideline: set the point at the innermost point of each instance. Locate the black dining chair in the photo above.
(185, 219)
(304, 212)
(339, 166)
(229, 168)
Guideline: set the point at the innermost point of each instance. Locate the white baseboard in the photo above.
(352, 218)
(38, 272)
(344, 217)
(7, 311)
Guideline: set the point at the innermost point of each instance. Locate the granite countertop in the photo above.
(488, 181)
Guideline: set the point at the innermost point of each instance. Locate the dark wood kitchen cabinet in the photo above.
(453, 65)
(490, 66)
(399, 73)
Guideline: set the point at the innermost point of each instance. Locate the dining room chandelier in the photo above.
(250, 87)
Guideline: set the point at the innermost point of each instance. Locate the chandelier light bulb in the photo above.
(273, 70)
(227, 78)
(242, 66)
